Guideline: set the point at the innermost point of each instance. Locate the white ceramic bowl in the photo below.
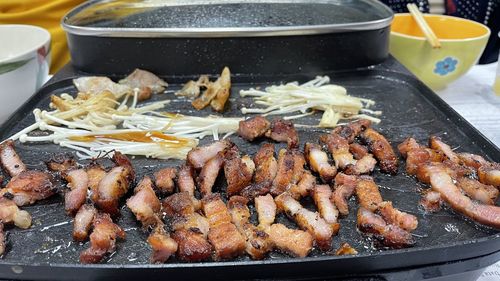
(24, 64)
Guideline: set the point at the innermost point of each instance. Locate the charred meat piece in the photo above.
(442, 182)
(164, 180)
(95, 173)
(358, 151)
(123, 161)
(192, 246)
(321, 196)
(339, 148)
(304, 187)
(364, 165)
(407, 145)
(318, 162)
(265, 163)
(283, 131)
(308, 220)
(490, 174)
(486, 194)
(2, 240)
(191, 229)
(352, 129)
(30, 186)
(83, 222)
(102, 239)
(61, 163)
(10, 213)
(459, 170)
(394, 216)
(185, 180)
(290, 169)
(223, 235)
(415, 158)
(162, 244)
(387, 234)
(216, 94)
(256, 189)
(382, 150)
(368, 194)
(346, 249)
(200, 155)
(266, 210)
(78, 182)
(111, 188)
(144, 203)
(472, 160)
(431, 201)
(10, 160)
(146, 82)
(437, 144)
(209, 173)
(345, 185)
(253, 128)
(258, 243)
(294, 242)
(238, 171)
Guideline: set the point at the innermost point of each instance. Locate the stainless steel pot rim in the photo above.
(226, 32)
(208, 32)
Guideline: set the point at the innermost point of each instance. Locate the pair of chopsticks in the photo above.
(424, 26)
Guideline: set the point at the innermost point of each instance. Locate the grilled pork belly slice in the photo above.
(442, 182)
(61, 163)
(10, 160)
(486, 194)
(437, 144)
(283, 131)
(387, 234)
(237, 170)
(144, 203)
(394, 216)
(339, 148)
(253, 128)
(490, 174)
(290, 169)
(164, 180)
(102, 240)
(83, 222)
(472, 160)
(162, 244)
(321, 195)
(308, 220)
(256, 189)
(192, 246)
(304, 187)
(265, 163)
(352, 130)
(368, 194)
(200, 155)
(357, 150)
(95, 173)
(10, 213)
(223, 234)
(318, 162)
(258, 243)
(185, 180)
(266, 210)
(294, 242)
(382, 150)
(209, 173)
(29, 186)
(78, 182)
(364, 165)
(345, 185)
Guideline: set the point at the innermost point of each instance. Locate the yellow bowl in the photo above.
(462, 43)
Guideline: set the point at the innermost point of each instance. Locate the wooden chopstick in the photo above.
(426, 29)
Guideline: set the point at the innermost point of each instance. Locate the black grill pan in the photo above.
(447, 243)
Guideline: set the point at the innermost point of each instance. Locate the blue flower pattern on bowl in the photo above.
(448, 65)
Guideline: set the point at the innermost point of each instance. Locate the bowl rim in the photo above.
(487, 34)
(36, 46)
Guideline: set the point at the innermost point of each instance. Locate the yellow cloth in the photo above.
(44, 13)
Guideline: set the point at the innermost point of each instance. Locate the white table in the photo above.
(472, 97)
